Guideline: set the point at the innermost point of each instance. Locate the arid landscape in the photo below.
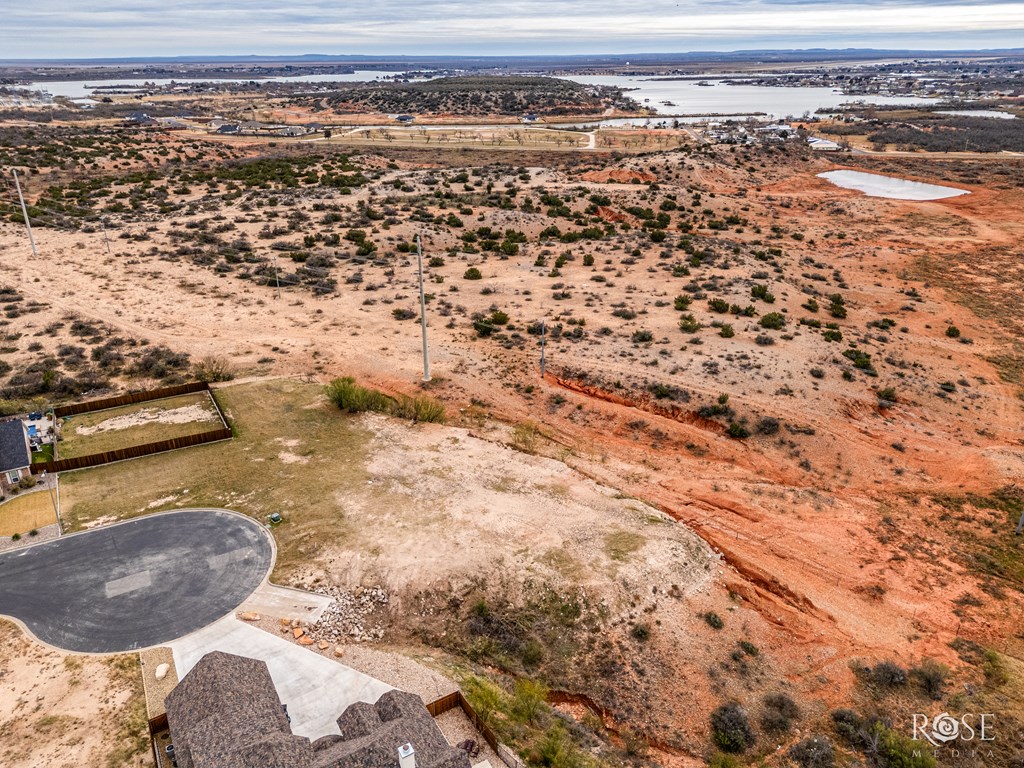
(774, 458)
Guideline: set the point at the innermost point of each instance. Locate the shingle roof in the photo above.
(226, 714)
(13, 446)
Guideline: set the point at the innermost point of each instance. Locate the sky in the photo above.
(122, 28)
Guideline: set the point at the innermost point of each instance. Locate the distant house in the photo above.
(529, 118)
(229, 128)
(15, 457)
(405, 118)
(823, 145)
(226, 713)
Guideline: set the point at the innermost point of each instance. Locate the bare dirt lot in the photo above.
(63, 710)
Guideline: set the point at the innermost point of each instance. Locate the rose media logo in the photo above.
(957, 734)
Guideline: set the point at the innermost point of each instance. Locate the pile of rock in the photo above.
(354, 615)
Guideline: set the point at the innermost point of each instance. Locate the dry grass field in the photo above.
(26, 512)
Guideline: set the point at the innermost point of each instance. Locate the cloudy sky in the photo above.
(116, 28)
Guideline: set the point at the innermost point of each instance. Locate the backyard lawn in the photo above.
(26, 512)
(293, 449)
(137, 424)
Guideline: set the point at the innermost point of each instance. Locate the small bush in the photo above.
(889, 674)
(776, 321)
(779, 712)
(640, 632)
(726, 331)
(953, 332)
(714, 620)
(351, 397)
(688, 323)
(737, 431)
(768, 425)
(473, 274)
(847, 724)
(730, 728)
(213, 368)
(524, 436)
(815, 752)
(931, 676)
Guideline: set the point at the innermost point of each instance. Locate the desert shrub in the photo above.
(403, 313)
(421, 408)
(888, 674)
(737, 431)
(688, 323)
(779, 712)
(815, 752)
(768, 425)
(718, 305)
(931, 676)
(213, 368)
(730, 728)
(894, 750)
(473, 274)
(726, 331)
(351, 397)
(524, 436)
(642, 336)
(776, 321)
(641, 632)
(953, 332)
(681, 302)
(528, 702)
(847, 724)
(713, 620)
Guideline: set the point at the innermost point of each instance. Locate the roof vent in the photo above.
(406, 756)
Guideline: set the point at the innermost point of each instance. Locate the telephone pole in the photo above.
(24, 212)
(106, 240)
(423, 309)
(543, 334)
(277, 277)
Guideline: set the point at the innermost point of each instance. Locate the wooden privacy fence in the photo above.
(457, 699)
(131, 398)
(132, 452)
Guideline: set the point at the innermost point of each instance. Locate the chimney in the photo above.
(406, 756)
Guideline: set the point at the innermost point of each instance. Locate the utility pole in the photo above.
(277, 277)
(543, 334)
(24, 212)
(106, 240)
(423, 309)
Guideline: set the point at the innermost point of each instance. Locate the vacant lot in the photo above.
(62, 709)
(292, 451)
(137, 424)
(26, 512)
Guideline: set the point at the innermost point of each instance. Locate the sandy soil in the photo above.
(185, 415)
(59, 710)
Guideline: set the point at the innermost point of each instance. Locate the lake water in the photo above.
(687, 96)
(977, 113)
(690, 98)
(875, 185)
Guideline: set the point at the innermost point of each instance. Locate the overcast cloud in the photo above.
(117, 28)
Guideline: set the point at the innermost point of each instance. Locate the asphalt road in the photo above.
(135, 584)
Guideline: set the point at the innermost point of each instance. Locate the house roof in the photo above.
(226, 713)
(14, 452)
